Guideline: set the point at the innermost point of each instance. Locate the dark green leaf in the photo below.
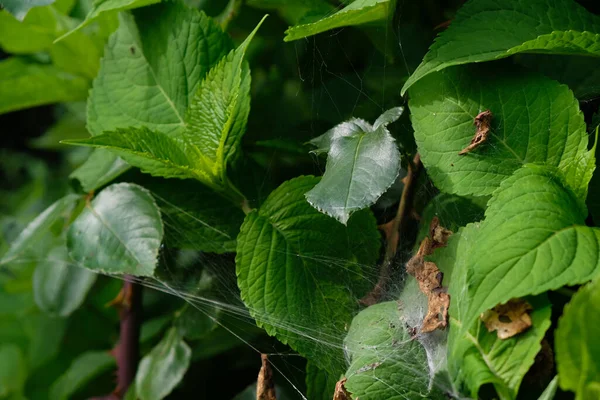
(535, 120)
(100, 168)
(163, 368)
(13, 371)
(118, 232)
(540, 26)
(320, 384)
(296, 264)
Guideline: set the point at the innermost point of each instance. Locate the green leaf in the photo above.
(385, 362)
(39, 227)
(100, 168)
(195, 217)
(13, 371)
(550, 390)
(593, 199)
(59, 287)
(101, 7)
(358, 12)
(163, 368)
(533, 239)
(576, 344)
(119, 232)
(152, 68)
(320, 384)
(296, 264)
(24, 84)
(535, 120)
(362, 163)
(540, 26)
(70, 125)
(81, 371)
(34, 33)
(20, 8)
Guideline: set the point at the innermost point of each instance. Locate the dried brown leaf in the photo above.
(340, 391)
(508, 319)
(482, 121)
(265, 385)
(437, 312)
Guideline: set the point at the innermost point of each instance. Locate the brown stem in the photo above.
(127, 351)
(395, 228)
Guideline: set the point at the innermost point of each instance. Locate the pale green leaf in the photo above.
(13, 371)
(485, 30)
(320, 384)
(533, 239)
(577, 346)
(101, 7)
(296, 264)
(152, 68)
(24, 84)
(100, 168)
(358, 12)
(59, 287)
(119, 232)
(535, 120)
(385, 362)
(550, 390)
(362, 163)
(39, 227)
(163, 368)
(81, 371)
(20, 8)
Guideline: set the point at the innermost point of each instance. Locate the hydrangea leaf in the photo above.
(358, 12)
(25, 84)
(385, 362)
(576, 344)
(296, 265)
(100, 168)
(119, 232)
(485, 30)
(534, 120)
(152, 68)
(59, 287)
(81, 371)
(518, 250)
(320, 384)
(163, 368)
(363, 162)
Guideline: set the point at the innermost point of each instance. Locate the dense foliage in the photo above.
(390, 199)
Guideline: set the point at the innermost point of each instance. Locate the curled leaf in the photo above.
(265, 385)
(340, 391)
(508, 319)
(482, 122)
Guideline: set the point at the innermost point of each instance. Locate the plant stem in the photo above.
(395, 228)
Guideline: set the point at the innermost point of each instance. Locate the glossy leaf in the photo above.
(385, 363)
(362, 163)
(163, 368)
(81, 371)
(39, 227)
(535, 120)
(296, 264)
(357, 12)
(59, 287)
(25, 84)
(152, 68)
(577, 350)
(119, 232)
(540, 26)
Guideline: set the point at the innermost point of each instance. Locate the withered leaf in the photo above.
(340, 391)
(482, 121)
(265, 385)
(508, 319)
(429, 277)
